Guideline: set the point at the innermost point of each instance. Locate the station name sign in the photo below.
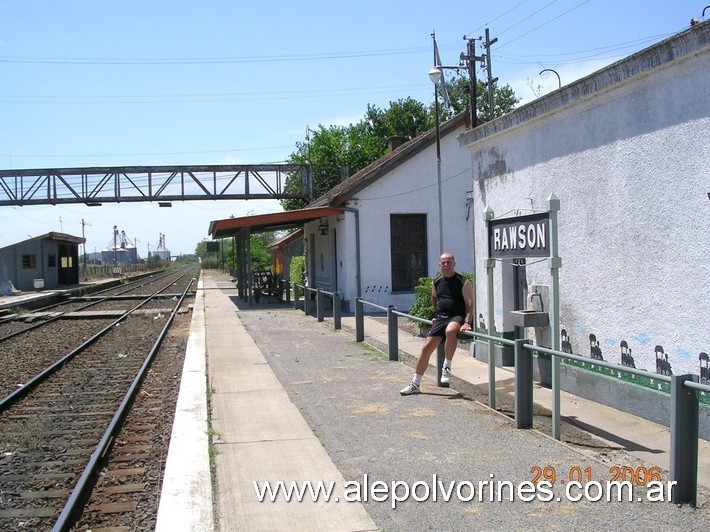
(519, 237)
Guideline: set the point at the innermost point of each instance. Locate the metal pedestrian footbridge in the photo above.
(162, 184)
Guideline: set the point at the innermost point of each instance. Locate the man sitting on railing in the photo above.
(452, 297)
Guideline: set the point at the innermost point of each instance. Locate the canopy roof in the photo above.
(275, 221)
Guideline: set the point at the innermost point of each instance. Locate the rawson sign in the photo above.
(522, 236)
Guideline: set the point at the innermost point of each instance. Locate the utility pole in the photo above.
(83, 223)
(115, 245)
(491, 79)
(438, 165)
(136, 248)
(469, 59)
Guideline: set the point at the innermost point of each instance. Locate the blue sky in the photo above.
(86, 83)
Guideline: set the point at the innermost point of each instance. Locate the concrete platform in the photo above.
(44, 297)
(639, 437)
(259, 434)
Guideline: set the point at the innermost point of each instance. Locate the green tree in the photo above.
(504, 99)
(331, 152)
(260, 256)
(261, 259)
(201, 250)
(335, 152)
(406, 118)
(297, 270)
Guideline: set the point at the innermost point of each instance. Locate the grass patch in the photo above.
(371, 409)
(373, 354)
(211, 433)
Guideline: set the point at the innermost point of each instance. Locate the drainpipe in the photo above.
(357, 244)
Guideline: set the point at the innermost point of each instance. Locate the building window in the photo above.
(28, 262)
(51, 261)
(408, 250)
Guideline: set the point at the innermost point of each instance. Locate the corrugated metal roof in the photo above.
(269, 222)
(61, 237)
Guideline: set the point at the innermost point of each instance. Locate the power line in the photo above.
(527, 17)
(544, 24)
(610, 54)
(602, 49)
(561, 57)
(214, 97)
(210, 60)
(496, 18)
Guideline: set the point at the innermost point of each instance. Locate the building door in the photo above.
(311, 261)
(68, 265)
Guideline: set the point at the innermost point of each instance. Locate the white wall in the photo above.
(412, 189)
(630, 165)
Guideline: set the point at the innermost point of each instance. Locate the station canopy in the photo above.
(275, 221)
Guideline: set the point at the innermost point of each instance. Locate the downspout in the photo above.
(357, 245)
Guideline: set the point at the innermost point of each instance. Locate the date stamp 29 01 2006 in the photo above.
(640, 476)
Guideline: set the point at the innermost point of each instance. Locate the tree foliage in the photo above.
(226, 258)
(406, 118)
(504, 99)
(333, 153)
(297, 271)
(336, 152)
(260, 256)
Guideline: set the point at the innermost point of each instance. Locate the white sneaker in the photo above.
(411, 389)
(445, 375)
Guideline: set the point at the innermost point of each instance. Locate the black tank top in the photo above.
(449, 296)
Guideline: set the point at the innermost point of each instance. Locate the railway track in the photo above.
(96, 414)
(108, 298)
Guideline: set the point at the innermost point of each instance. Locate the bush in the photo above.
(297, 270)
(210, 263)
(422, 307)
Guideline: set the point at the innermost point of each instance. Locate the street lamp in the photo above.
(436, 76)
(559, 80)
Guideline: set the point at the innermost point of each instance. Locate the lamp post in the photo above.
(559, 80)
(83, 224)
(436, 75)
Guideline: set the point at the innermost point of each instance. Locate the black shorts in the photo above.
(438, 328)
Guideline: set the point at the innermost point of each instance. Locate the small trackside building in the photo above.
(48, 261)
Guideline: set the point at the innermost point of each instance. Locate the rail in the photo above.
(22, 391)
(684, 398)
(68, 517)
(112, 291)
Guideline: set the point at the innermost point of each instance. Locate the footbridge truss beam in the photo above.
(93, 186)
